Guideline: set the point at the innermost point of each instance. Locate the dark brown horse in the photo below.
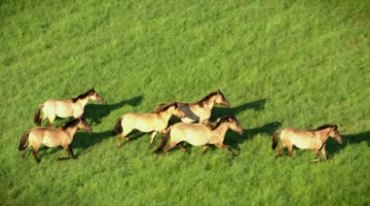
(306, 139)
(52, 137)
(201, 110)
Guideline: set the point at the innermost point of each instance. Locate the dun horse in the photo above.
(199, 135)
(147, 122)
(65, 108)
(200, 111)
(306, 139)
(52, 137)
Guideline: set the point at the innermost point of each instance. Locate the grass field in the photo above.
(279, 63)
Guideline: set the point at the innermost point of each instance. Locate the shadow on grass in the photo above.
(333, 147)
(85, 140)
(234, 140)
(95, 112)
(222, 111)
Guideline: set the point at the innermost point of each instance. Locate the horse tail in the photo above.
(118, 127)
(159, 150)
(23, 141)
(275, 138)
(37, 119)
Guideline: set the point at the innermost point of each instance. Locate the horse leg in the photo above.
(181, 147)
(323, 152)
(122, 136)
(24, 153)
(279, 148)
(168, 147)
(153, 136)
(227, 147)
(290, 149)
(317, 154)
(205, 148)
(66, 148)
(35, 151)
(71, 151)
(51, 121)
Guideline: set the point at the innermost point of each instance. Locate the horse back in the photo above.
(195, 134)
(302, 139)
(50, 137)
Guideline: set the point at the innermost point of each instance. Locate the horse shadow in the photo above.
(222, 111)
(234, 140)
(95, 112)
(85, 140)
(333, 147)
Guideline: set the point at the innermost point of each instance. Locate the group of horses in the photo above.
(193, 127)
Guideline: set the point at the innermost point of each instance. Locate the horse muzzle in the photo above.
(100, 100)
(226, 104)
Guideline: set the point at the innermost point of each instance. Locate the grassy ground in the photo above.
(280, 63)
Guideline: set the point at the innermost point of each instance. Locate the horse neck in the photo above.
(209, 103)
(71, 131)
(166, 115)
(221, 130)
(83, 101)
(324, 134)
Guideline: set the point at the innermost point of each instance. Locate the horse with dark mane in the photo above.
(52, 137)
(199, 134)
(73, 107)
(146, 122)
(306, 139)
(201, 110)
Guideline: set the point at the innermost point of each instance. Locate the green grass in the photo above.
(280, 63)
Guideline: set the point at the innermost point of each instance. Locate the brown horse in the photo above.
(147, 122)
(73, 107)
(52, 137)
(306, 139)
(200, 111)
(199, 134)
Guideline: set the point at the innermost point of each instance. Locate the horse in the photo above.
(306, 139)
(146, 122)
(200, 111)
(73, 107)
(198, 134)
(52, 137)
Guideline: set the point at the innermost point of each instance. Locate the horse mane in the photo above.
(164, 107)
(160, 107)
(222, 120)
(83, 95)
(71, 123)
(206, 98)
(326, 126)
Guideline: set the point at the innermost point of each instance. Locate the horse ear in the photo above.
(218, 91)
(335, 127)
